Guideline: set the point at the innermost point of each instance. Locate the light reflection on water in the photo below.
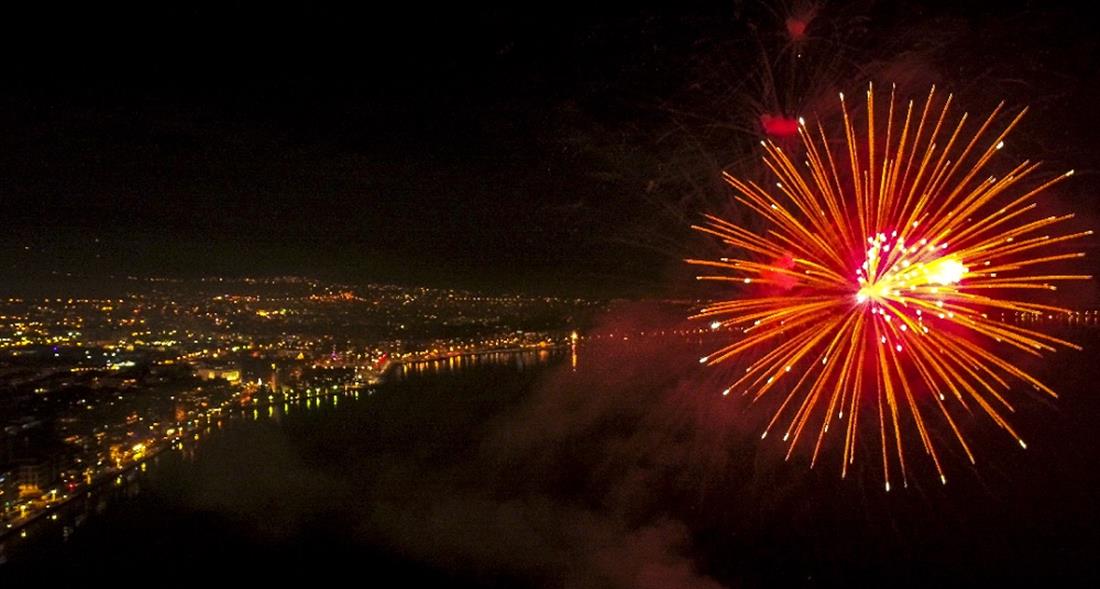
(60, 523)
(520, 359)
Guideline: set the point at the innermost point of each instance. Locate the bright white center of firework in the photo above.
(946, 271)
(894, 269)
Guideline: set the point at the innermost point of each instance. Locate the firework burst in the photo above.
(878, 291)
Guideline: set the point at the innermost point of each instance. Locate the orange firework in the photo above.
(884, 267)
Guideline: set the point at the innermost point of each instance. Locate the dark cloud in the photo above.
(260, 480)
(567, 487)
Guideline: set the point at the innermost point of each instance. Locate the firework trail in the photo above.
(888, 260)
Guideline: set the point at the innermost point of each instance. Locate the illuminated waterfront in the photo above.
(58, 528)
(70, 510)
(92, 386)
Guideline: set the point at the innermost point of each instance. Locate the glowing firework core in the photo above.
(894, 271)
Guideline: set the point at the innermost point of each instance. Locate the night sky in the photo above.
(536, 149)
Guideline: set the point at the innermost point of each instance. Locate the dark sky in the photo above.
(509, 150)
